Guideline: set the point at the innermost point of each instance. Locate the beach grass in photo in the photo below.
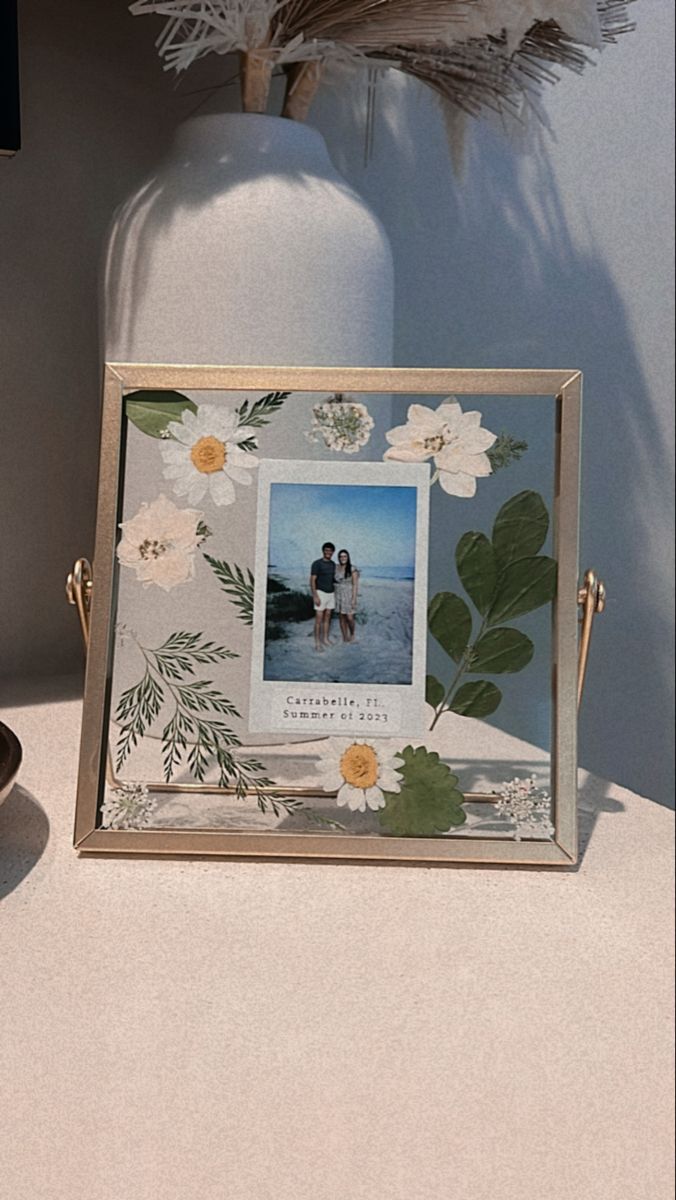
(376, 525)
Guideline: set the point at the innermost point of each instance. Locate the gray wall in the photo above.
(555, 257)
(94, 110)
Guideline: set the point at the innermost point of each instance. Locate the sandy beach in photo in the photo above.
(381, 653)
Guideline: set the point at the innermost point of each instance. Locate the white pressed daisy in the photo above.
(360, 772)
(159, 543)
(204, 454)
(128, 806)
(453, 439)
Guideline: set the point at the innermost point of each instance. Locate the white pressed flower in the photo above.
(128, 806)
(159, 543)
(342, 423)
(204, 455)
(455, 441)
(360, 772)
(528, 807)
(124, 634)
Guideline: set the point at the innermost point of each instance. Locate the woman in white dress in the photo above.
(347, 594)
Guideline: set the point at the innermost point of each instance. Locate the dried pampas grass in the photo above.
(476, 55)
(298, 30)
(368, 25)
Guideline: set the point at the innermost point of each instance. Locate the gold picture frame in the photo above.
(95, 598)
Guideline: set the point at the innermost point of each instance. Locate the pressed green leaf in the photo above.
(151, 412)
(429, 802)
(434, 691)
(450, 622)
(521, 527)
(478, 699)
(523, 586)
(477, 568)
(501, 652)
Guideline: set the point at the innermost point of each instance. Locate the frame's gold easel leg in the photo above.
(592, 599)
(79, 587)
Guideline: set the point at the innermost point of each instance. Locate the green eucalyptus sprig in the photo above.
(505, 577)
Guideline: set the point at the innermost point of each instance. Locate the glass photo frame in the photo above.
(333, 614)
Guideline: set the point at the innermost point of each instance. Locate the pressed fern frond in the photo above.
(237, 584)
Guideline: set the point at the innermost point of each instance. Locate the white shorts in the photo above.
(327, 602)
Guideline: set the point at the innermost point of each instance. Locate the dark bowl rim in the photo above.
(9, 769)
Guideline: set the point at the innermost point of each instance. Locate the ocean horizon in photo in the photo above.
(367, 571)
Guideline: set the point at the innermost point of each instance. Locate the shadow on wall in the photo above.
(489, 274)
(96, 109)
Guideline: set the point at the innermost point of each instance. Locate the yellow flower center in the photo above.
(359, 767)
(152, 549)
(209, 455)
(434, 444)
(439, 441)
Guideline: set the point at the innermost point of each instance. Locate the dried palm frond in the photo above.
(614, 19)
(368, 25)
(475, 54)
(481, 74)
(195, 28)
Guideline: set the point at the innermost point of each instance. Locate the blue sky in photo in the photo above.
(377, 525)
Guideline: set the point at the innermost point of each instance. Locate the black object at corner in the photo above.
(10, 760)
(10, 120)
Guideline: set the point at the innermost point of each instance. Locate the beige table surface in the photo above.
(246, 1031)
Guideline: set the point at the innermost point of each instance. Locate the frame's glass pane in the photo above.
(438, 641)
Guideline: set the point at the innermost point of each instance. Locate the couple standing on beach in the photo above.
(335, 588)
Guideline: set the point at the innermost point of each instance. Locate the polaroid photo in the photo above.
(340, 605)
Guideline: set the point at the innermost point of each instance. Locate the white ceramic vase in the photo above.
(248, 247)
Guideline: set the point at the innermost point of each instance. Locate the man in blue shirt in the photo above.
(322, 586)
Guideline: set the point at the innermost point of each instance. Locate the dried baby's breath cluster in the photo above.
(475, 54)
(128, 806)
(528, 807)
(342, 424)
